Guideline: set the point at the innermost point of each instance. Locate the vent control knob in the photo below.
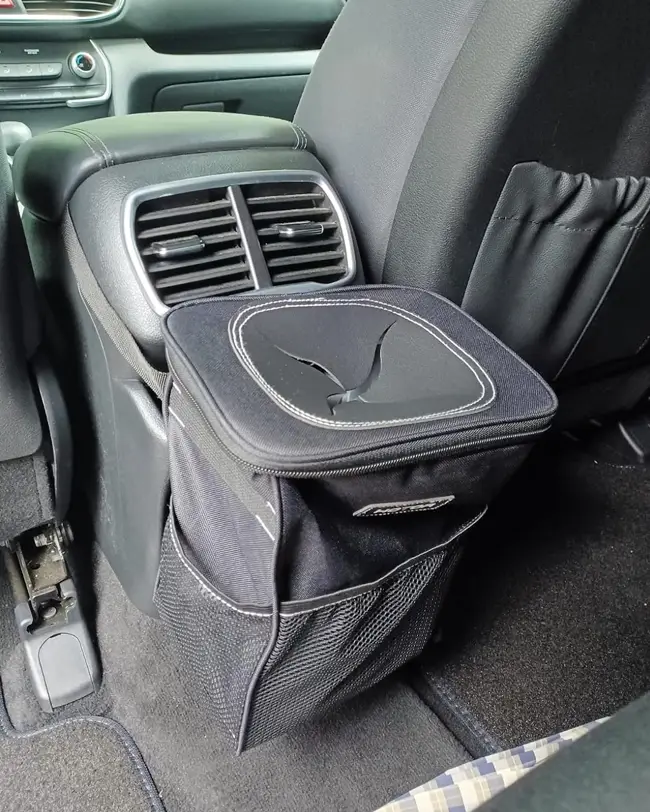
(83, 65)
(297, 231)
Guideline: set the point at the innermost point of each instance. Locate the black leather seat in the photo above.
(420, 111)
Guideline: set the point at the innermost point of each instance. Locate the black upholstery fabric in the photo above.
(467, 91)
(555, 247)
(368, 99)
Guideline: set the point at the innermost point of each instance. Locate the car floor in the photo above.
(360, 758)
(547, 625)
(546, 628)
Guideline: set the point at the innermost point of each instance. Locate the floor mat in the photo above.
(549, 625)
(355, 760)
(79, 765)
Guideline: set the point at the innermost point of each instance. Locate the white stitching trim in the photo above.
(264, 527)
(235, 330)
(175, 416)
(373, 586)
(203, 584)
(304, 136)
(298, 138)
(364, 589)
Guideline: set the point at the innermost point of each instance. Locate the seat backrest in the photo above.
(420, 110)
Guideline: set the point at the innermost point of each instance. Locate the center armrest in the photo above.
(50, 167)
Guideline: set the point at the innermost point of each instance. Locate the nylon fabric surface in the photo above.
(265, 435)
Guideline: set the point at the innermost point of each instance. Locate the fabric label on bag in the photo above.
(413, 506)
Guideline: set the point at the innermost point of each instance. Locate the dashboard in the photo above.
(66, 61)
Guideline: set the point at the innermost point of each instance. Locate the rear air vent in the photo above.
(299, 232)
(244, 233)
(73, 9)
(191, 247)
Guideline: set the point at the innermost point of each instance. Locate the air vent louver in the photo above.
(191, 247)
(69, 8)
(298, 230)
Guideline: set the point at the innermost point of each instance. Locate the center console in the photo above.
(143, 215)
(47, 74)
(45, 85)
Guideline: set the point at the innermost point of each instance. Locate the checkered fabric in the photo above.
(465, 788)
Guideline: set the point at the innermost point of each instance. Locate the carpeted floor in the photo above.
(79, 765)
(372, 750)
(549, 626)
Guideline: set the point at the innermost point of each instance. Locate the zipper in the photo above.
(341, 472)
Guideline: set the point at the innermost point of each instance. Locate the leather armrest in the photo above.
(50, 167)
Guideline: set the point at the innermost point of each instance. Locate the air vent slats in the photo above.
(299, 232)
(271, 231)
(305, 259)
(306, 275)
(184, 211)
(201, 276)
(264, 230)
(305, 197)
(285, 245)
(177, 229)
(69, 8)
(208, 239)
(217, 262)
(291, 214)
(192, 262)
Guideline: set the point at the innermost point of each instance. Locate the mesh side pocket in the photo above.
(219, 644)
(261, 673)
(328, 654)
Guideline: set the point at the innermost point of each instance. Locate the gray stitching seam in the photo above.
(91, 141)
(108, 153)
(297, 134)
(612, 280)
(566, 227)
(465, 715)
(81, 135)
(305, 139)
